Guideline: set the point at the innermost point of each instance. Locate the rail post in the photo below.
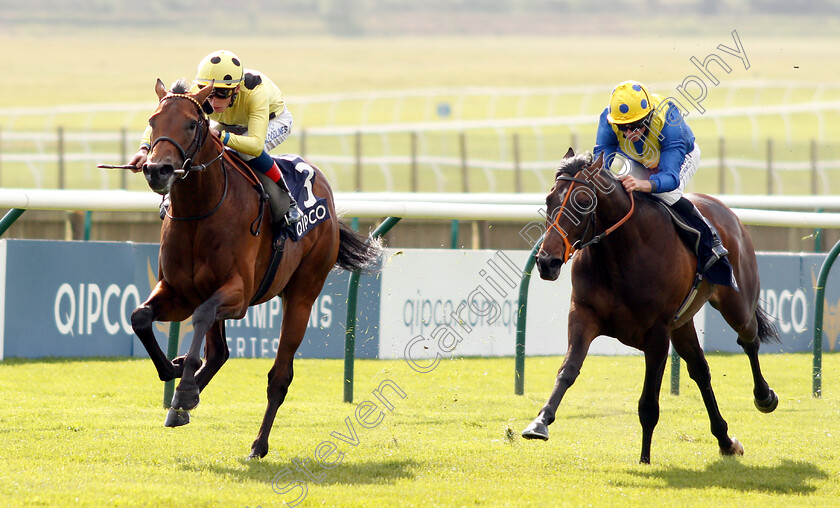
(721, 166)
(675, 372)
(818, 319)
(358, 161)
(770, 173)
(171, 353)
(124, 157)
(465, 170)
(350, 332)
(517, 165)
(61, 168)
(9, 219)
(414, 175)
(521, 318)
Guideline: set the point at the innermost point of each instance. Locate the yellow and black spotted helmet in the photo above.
(630, 101)
(223, 67)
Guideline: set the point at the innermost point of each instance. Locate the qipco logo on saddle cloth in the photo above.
(300, 178)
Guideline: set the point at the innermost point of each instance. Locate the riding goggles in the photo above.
(633, 126)
(220, 93)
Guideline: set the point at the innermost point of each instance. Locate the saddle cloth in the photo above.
(697, 237)
(300, 177)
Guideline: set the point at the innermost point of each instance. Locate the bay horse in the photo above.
(213, 259)
(630, 275)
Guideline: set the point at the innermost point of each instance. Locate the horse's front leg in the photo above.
(656, 355)
(221, 305)
(582, 331)
(216, 354)
(162, 305)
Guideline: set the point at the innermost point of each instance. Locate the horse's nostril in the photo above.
(162, 170)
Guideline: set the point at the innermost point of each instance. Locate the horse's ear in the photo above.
(204, 93)
(570, 153)
(160, 89)
(599, 162)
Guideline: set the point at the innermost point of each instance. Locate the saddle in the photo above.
(300, 178)
(697, 237)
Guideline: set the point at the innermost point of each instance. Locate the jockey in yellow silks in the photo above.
(661, 154)
(249, 116)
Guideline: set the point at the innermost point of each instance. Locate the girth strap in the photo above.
(689, 298)
(276, 255)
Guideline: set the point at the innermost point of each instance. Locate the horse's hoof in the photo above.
(185, 399)
(736, 449)
(176, 418)
(769, 404)
(536, 430)
(258, 451)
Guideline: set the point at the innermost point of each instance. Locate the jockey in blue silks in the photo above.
(660, 150)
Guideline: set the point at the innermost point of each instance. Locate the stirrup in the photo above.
(293, 215)
(718, 251)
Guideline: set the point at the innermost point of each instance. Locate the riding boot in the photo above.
(718, 250)
(293, 213)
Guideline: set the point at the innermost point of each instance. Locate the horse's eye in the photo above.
(193, 125)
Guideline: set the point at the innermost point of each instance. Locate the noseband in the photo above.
(571, 248)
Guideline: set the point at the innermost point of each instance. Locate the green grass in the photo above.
(90, 433)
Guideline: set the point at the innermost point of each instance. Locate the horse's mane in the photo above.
(571, 165)
(181, 86)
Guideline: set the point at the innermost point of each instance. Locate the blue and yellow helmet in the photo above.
(629, 102)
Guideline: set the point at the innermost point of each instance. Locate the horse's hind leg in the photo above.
(296, 310)
(735, 311)
(656, 356)
(766, 399)
(687, 346)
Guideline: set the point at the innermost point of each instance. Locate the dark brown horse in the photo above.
(211, 262)
(631, 275)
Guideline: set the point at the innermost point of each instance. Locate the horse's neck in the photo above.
(645, 221)
(199, 191)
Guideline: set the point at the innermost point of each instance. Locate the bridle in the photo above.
(201, 135)
(571, 248)
(197, 143)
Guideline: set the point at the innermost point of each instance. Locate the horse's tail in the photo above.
(356, 252)
(766, 331)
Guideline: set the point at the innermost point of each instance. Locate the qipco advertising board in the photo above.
(75, 299)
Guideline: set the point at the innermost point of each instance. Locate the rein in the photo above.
(571, 248)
